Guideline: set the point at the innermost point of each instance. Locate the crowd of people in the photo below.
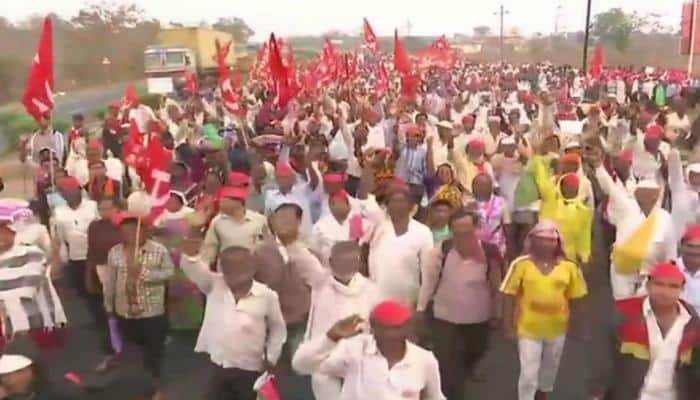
(367, 244)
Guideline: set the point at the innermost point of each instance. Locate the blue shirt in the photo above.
(412, 164)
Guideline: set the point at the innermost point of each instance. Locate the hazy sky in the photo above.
(429, 17)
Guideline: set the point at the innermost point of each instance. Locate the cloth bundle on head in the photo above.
(666, 270)
(507, 141)
(545, 229)
(391, 313)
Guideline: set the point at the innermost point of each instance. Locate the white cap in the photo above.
(508, 140)
(648, 184)
(445, 124)
(572, 144)
(12, 363)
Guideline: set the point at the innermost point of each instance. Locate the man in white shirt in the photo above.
(344, 293)
(70, 226)
(663, 330)
(289, 190)
(644, 232)
(243, 329)
(399, 247)
(340, 224)
(689, 262)
(381, 365)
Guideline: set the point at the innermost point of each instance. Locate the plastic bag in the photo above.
(526, 191)
(266, 387)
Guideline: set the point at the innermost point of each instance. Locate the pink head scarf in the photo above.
(545, 229)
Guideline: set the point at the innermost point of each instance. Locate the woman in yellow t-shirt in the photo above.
(542, 283)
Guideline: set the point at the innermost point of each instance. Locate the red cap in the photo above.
(654, 131)
(95, 144)
(468, 119)
(231, 192)
(477, 144)
(391, 313)
(571, 180)
(284, 169)
(413, 130)
(692, 232)
(626, 155)
(236, 178)
(333, 177)
(341, 195)
(115, 104)
(571, 157)
(667, 270)
(68, 183)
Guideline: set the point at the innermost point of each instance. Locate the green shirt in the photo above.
(441, 234)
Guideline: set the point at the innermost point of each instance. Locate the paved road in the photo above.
(187, 373)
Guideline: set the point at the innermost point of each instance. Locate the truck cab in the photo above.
(163, 61)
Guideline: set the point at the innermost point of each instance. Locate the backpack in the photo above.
(491, 253)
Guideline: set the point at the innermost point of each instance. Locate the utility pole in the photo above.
(584, 66)
(501, 13)
(556, 19)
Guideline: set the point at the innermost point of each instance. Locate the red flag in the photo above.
(277, 69)
(329, 52)
(597, 62)
(237, 80)
(401, 61)
(442, 43)
(370, 37)
(131, 97)
(409, 85)
(38, 97)
(191, 83)
(382, 84)
(134, 150)
(221, 54)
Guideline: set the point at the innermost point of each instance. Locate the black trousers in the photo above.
(351, 185)
(232, 384)
(458, 347)
(150, 335)
(76, 276)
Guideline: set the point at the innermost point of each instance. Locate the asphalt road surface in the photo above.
(187, 373)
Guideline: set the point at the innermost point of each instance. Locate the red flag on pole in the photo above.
(191, 83)
(597, 62)
(401, 61)
(38, 97)
(370, 37)
(277, 69)
(131, 97)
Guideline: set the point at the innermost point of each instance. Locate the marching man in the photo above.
(381, 365)
(656, 341)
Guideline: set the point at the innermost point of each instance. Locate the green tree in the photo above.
(236, 26)
(614, 27)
